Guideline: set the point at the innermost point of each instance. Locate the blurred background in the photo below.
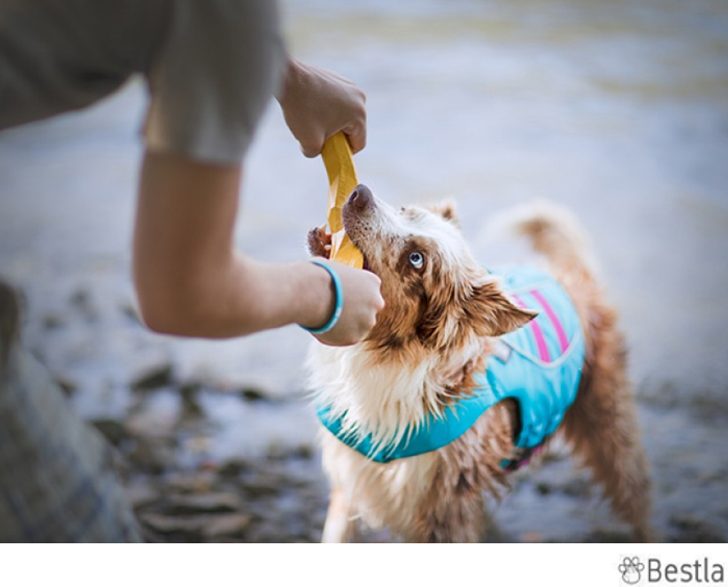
(617, 109)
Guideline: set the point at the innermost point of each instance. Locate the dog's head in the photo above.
(437, 297)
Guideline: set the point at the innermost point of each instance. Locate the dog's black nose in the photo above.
(361, 197)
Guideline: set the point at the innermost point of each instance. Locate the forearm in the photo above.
(243, 296)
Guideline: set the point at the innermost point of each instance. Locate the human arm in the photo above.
(191, 281)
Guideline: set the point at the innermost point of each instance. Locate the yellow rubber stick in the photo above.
(342, 181)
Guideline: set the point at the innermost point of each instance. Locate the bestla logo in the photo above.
(633, 571)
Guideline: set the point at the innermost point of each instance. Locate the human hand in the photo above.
(362, 301)
(318, 103)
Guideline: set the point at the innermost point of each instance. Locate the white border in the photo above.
(366, 565)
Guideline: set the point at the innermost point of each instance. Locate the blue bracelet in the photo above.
(339, 301)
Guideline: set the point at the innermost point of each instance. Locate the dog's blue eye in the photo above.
(417, 260)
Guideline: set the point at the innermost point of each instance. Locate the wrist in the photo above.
(290, 78)
(333, 319)
(318, 304)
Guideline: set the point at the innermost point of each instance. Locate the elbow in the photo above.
(161, 324)
(163, 318)
(169, 310)
(185, 310)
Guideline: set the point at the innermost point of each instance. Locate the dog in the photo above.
(416, 429)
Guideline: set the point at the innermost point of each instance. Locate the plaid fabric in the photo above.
(56, 479)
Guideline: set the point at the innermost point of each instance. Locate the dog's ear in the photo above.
(447, 209)
(492, 313)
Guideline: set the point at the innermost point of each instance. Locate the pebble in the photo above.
(194, 482)
(53, 321)
(253, 395)
(131, 312)
(141, 495)
(203, 503)
(692, 529)
(191, 408)
(67, 385)
(260, 487)
(280, 452)
(150, 457)
(81, 300)
(226, 526)
(113, 430)
(234, 468)
(152, 377)
(190, 527)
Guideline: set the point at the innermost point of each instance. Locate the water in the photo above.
(618, 110)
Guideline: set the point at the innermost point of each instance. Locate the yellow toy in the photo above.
(342, 181)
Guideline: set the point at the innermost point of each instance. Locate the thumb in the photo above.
(312, 147)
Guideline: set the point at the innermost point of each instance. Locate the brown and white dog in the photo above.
(442, 316)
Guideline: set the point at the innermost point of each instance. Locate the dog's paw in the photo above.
(319, 243)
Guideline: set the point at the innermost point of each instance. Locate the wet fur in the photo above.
(434, 333)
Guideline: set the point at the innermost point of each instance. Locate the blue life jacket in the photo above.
(538, 365)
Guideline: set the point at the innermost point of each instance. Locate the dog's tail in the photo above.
(555, 232)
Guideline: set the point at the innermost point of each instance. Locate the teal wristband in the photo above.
(339, 301)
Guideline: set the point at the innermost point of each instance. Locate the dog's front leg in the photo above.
(339, 527)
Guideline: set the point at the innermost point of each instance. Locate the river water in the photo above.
(616, 109)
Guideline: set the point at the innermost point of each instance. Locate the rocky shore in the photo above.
(182, 493)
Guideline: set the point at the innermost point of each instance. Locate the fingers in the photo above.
(312, 143)
(362, 302)
(357, 135)
(356, 129)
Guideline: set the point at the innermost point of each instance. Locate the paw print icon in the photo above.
(631, 569)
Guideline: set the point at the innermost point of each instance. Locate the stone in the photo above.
(141, 495)
(201, 482)
(81, 300)
(152, 377)
(198, 528)
(131, 312)
(260, 487)
(543, 488)
(253, 395)
(234, 468)
(203, 503)
(225, 525)
(577, 487)
(692, 529)
(67, 385)
(190, 407)
(114, 431)
(150, 457)
(53, 321)
(277, 451)
(189, 527)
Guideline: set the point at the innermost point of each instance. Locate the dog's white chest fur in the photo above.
(384, 493)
